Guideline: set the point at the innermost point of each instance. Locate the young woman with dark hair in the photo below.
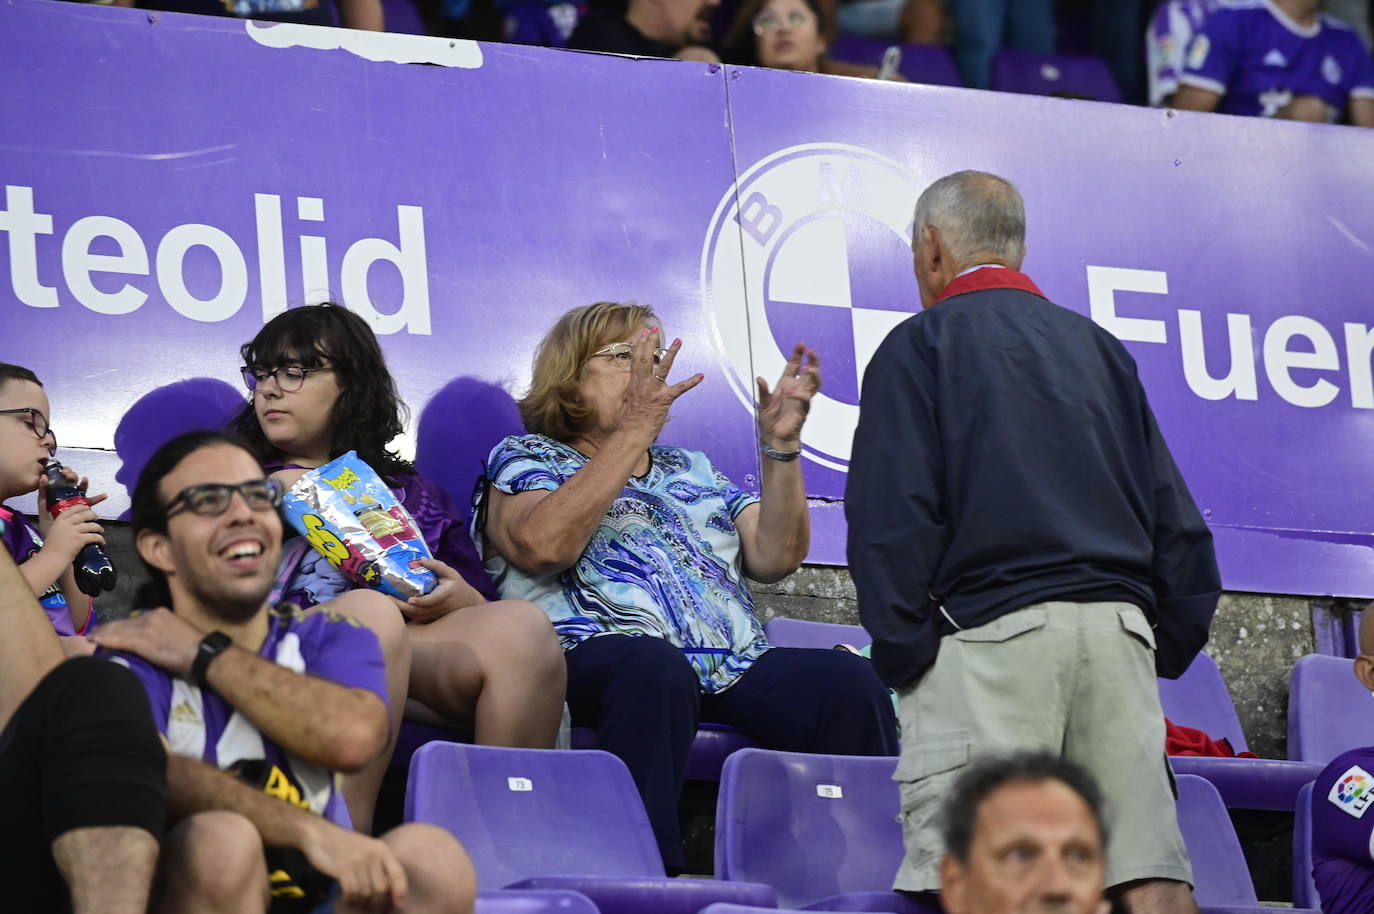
(320, 387)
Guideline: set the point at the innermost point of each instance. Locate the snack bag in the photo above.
(350, 516)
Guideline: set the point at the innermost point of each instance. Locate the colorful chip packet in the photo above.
(352, 518)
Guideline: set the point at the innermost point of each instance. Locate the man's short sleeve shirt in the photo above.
(1259, 60)
(200, 724)
(1170, 33)
(1342, 831)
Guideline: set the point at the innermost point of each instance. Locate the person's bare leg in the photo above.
(439, 876)
(922, 22)
(380, 615)
(497, 664)
(1157, 896)
(108, 870)
(212, 863)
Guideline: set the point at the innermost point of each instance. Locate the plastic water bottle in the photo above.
(94, 570)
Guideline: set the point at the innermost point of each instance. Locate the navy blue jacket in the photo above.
(1006, 455)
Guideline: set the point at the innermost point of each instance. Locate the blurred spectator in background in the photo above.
(1279, 59)
(786, 35)
(1359, 14)
(1171, 30)
(353, 14)
(1116, 39)
(982, 27)
(911, 21)
(783, 34)
(650, 28)
(546, 23)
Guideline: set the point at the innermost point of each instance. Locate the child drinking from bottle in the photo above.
(45, 552)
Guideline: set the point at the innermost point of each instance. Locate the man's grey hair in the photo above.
(976, 214)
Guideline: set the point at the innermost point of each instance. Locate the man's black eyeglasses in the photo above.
(38, 422)
(213, 499)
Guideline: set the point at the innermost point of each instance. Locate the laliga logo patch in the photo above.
(1353, 791)
(814, 246)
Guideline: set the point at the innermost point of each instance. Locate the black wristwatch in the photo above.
(211, 646)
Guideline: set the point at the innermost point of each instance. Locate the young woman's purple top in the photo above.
(311, 580)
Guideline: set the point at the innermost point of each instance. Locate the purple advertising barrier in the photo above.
(1232, 256)
(461, 196)
(461, 201)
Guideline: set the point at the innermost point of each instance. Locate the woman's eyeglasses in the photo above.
(289, 377)
(622, 355)
(767, 22)
(38, 422)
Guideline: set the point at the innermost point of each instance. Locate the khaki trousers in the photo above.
(1073, 678)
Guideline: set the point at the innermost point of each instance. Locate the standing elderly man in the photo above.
(1025, 552)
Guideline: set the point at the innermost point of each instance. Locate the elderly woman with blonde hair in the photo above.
(638, 552)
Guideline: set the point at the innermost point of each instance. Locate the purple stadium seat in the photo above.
(510, 901)
(403, 16)
(785, 632)
(1199, 699)
(1304, 887)
(821, 829)
(1221, 879)
(1329, 712)
(414, 734)
(1054, 74)
(713, 744)
(551, 819)
(711, 747)
(1350, 628)
(921, 63)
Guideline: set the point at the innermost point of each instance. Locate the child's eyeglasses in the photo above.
(38, 422)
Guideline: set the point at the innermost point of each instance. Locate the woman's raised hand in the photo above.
(648, 395)
(782, 411)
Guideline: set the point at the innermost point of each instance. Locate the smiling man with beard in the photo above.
(260, 707)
